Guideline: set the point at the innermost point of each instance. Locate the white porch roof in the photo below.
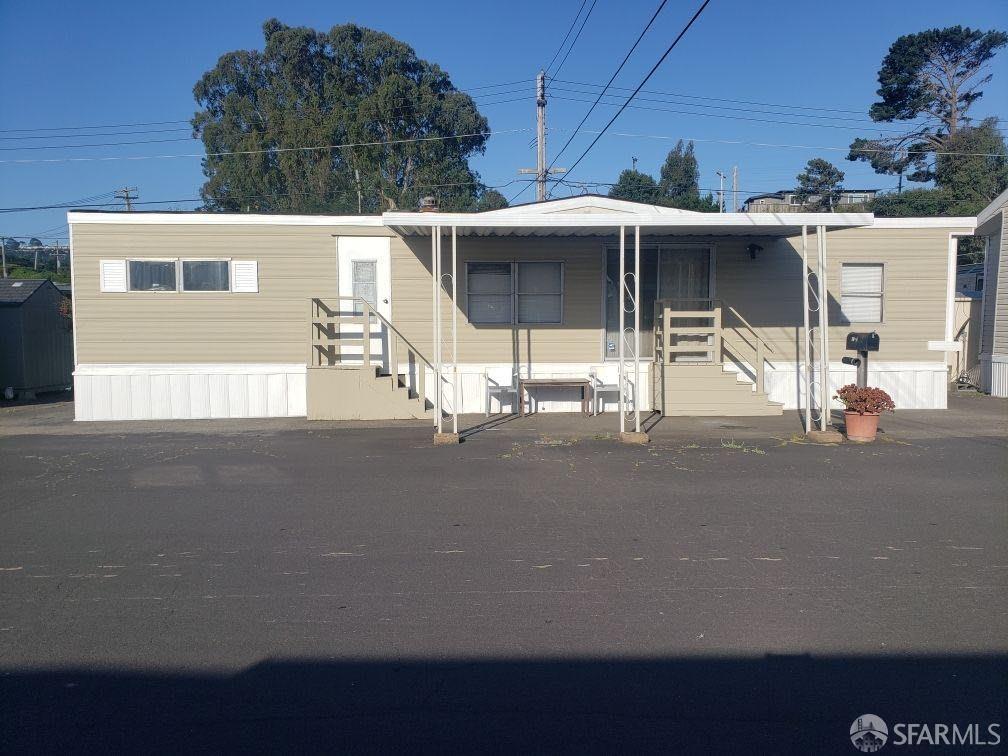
(593, 215)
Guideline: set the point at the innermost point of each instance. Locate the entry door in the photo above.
(686, 276)
(365, 273)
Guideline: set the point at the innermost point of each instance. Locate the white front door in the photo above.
(365, 273)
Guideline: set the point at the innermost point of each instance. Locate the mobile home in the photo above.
(204, 315)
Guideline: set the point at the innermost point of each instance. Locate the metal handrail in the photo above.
(752, 330)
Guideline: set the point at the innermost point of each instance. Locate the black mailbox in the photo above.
(863, 342)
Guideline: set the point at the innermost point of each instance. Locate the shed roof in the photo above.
(15, 291)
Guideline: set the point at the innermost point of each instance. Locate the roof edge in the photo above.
(220, 219)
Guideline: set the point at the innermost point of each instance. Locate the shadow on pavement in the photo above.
(772, 704)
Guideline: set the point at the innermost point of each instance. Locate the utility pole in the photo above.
(634, 161)
(3, 254)
(127, 195)
(360, 197)
(721, 192)
(541, 171)
(735, 190)
(541, 136)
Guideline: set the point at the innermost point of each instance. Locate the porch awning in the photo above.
(594, 224)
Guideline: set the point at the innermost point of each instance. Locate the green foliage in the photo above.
(635, 186)
(969, 249)
(491, 199)
(677, 187)
(982, 175)
(938, 74)
(820, 184)
(349, 85)
(21, 271)
(696, 202)
(923, 73)
(680, 175)
(917, 203)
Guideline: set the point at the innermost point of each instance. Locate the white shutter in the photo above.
(861, 309)
(861, 278)
(112, 275)
(245, 276)
(861, 292)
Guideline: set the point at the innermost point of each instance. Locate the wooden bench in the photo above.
(582, 383)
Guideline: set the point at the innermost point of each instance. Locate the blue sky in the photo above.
(100, 63)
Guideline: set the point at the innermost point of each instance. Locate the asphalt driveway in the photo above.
(283, 585)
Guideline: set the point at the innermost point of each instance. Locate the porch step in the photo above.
(708, 391)
(772, 409)
(352, 393)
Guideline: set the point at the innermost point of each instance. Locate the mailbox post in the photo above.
(862, 343)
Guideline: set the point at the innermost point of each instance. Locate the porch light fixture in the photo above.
(753, 249)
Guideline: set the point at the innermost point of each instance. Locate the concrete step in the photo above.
(726, 381)
(688, 370)
(401, 399)
(740, 392)
(709, 391)
(771, 409)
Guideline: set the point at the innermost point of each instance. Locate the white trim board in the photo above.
(222, 219)
(965, 223)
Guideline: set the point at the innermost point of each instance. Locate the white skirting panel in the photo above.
(912, 385)
(188, 391)
(994, 374)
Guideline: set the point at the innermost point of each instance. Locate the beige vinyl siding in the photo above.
(915, 288)
(765, 291)
(295, 263)
(299, 262)
(578, 339)
(1000, 306)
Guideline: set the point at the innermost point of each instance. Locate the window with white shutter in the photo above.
(205, 275)
(153, 275)
(861, 292)
(112, 275)
(245, 276)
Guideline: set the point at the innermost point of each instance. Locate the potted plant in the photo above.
(862, 407)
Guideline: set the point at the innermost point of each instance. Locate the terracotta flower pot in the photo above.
(861, 427)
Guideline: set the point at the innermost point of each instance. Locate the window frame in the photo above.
(881, 295)
(517, 294)
(129, 275)
(180, 275)
(513, 268)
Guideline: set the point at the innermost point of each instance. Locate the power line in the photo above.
(643, 82)
(89, 135)
(566, 36)
(866, 125)
(611, 80)
(273, 150)
(97, 144)
(731, 117)
(105, 126)
(187, 121)
(239, 198)
(745, 143)
(715, 99)
(576, 36)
